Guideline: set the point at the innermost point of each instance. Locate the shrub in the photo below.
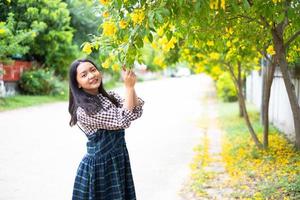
(226, 89)
(39, 81)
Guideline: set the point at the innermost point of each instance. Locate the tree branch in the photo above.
(265, 22)
(265, 55)
(291, 39)
(250, 19)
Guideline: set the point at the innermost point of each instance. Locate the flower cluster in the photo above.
(109, 28)
(253, 170)
(137, 16)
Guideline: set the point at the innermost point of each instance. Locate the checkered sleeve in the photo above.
(137, 110)
(110, 117)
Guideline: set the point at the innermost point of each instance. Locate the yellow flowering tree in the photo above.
(273, 28)
(221, 35)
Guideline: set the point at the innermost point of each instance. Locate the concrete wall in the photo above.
(280, 113)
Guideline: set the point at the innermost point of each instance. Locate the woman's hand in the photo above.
(129, 78)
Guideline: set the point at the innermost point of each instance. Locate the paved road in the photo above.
(39, 152)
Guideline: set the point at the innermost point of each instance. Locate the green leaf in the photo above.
(246, 4)
(169, 34)
(150, 37)
(139, 42)
(280, 18)
(159, 17)
(150, 17)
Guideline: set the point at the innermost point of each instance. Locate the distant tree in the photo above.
(84, 19)
(50, 19)
(13, 42)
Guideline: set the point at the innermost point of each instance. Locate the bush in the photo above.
(39, 81)
(226, 89)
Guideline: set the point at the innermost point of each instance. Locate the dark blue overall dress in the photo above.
(104, 172)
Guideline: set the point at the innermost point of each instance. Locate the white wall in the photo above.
(280, 113)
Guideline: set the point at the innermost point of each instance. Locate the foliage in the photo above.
(50, 20)
(225, 88)
(39, 81)
(124, 28)
(271, 174)
(83, 19)
(13, 42)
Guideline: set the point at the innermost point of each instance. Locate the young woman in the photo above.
(104, 172)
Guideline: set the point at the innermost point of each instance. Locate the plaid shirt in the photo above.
(110, 117)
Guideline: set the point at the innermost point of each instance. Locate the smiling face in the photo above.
(88, 78)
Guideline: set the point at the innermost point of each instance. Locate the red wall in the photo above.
(13, 71)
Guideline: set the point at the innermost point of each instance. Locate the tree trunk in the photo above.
(263, 89)
(280, 50)
(244, 109)
(268, 74)
(240, 108)
(241, 86)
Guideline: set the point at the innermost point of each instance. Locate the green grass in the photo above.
(267, 174)
(21, 101)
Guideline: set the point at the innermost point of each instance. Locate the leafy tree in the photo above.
(13, 42)
(84, 19)
(213, 36)
(280, 22)
(50, 19)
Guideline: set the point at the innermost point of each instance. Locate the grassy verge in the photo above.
(258, 174)
(20, 101)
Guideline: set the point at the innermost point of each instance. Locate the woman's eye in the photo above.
(84, 75)
(93, 70)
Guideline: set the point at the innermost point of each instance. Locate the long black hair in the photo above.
(78, 97)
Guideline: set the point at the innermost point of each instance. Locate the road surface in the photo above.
(40, 153)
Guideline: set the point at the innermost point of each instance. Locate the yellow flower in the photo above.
(186, 51)
(106, 64)
(196, 44)
(105, 14)
(199, 67)
(200, 55)
(115, 67)
(137, 16)
(154, 45)
(214, 4)
(104, 2)
(229, 30)
(216, 70)
(214, 56)
(295, 48)
(276, 1)
(223, 4)
(270, 50)
(146, 40)
(228, 44)
(172, 27)
(2, 31)
(163, 41)
(159, 61)
(210, 43)
(109, 28)
(123, 24)
(87, 48)
(160, 31)
(169, 45)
